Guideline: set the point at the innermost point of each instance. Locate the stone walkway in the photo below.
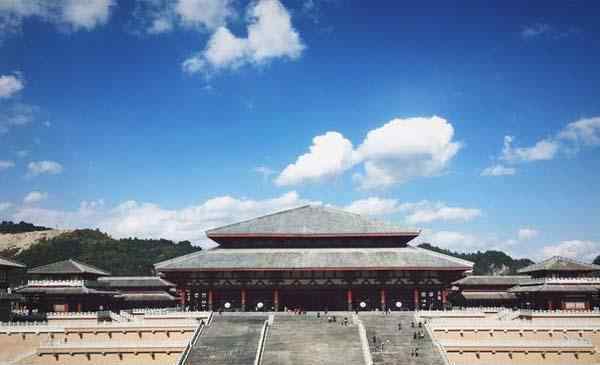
(398, 344)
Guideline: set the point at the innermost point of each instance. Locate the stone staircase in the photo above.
(398, 345)
(229, 340)
(308, 340)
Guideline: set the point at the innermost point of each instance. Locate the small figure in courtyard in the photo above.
(399, 326)
(374, 340)
(318, 314)
(414, 336)
(345, 321)
(412, 324)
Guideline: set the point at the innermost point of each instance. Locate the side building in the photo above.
(10, 271)
(74, 286)
(313, 258)
(559, 283)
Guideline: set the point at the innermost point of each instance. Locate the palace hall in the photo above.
(313, 258)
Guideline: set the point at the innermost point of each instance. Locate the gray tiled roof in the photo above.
(307, 258)
(558, 263)
(555, 288)
(488, 295)
(491, 280)
(10, 263)
(67, 267)
(146, 297)
(311, 220)
(135, 281)
(80, 290)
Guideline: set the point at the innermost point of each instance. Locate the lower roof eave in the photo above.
(457, 269)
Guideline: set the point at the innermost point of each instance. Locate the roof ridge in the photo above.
(259, 217)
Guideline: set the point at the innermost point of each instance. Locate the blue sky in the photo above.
(479, 123)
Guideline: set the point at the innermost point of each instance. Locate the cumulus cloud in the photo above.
(5, 164)
(35, 197)
(44, 167)
(10, 85)
(452, 240)
(270, 35)
(75, 14)
(396, 152)
(403, 149)
(575, 249)
(149, 220)
(498, 170)
(527, 233)
(329, 155)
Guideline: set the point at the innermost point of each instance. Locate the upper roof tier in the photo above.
(558, 263)
(311, 226)
(67, 267)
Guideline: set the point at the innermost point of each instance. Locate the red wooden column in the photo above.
(210, 300)
(349, 299)
(444, 297)
(276, 299)
(243, 297)
(416, 297)
(550, 304)
(382, 298)
(79, 307)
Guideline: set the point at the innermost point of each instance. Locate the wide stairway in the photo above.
(398, 345)
(229, 340)
(308, 340)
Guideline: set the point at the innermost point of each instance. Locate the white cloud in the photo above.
(4, 206)
(44, 167)
(575, 249)
(583, 131)
(270, 35)
(414, 213)
(75, 14)
(5, 164)
(148, 220)
(330, 155)
(35, 197)
(10, 85)
(17, 114)
(373, 206)
(427, 212)
(544, 149)
(398, 151)
(455, 241)
(527, 233)
(208, 14)
(86, 14)
(535, 30)
(403, 149)
(498, 170)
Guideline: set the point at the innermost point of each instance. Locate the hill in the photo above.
(486, 263)
(129, 256)
(21, 227)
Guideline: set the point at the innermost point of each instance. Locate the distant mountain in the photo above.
(129, 256)
(13, 243)
(486, 263)
(21, 227)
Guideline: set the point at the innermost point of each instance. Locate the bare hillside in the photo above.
(21, 241)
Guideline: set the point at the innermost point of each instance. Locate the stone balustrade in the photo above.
(56, 283)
